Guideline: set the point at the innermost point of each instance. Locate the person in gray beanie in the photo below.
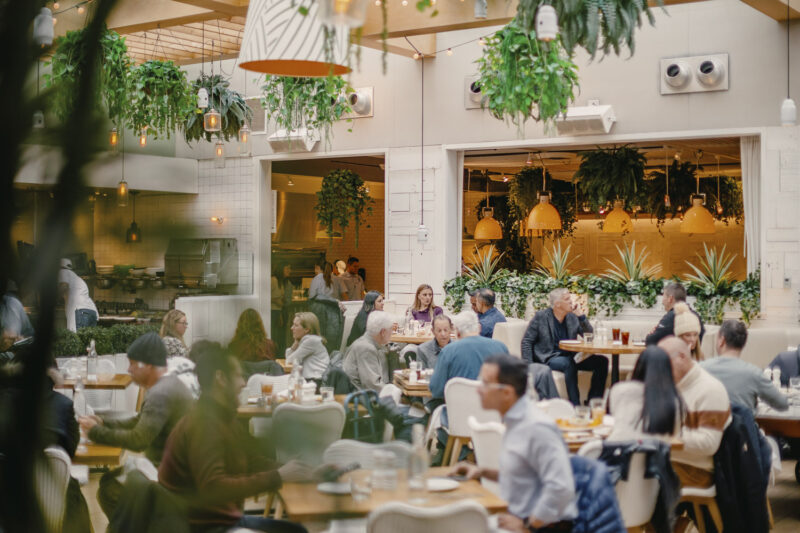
(166, 401)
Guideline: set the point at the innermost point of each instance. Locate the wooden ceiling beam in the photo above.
(229, 7)
(195, 60)
(776, 8)
(166, 36)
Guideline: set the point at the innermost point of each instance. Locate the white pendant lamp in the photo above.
(279, 39)
(546, 23)
(43, 32)
(788, 107)
(202, 98)
(350, 13)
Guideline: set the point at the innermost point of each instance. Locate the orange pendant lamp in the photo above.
(488, 228)
(698, 219)
(618, 220)
(543, 216)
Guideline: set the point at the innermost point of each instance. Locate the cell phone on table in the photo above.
(335, 473)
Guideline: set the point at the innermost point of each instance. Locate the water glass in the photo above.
(588, 338)
(598, 410)
(360, 487)
(327, 394)
(583, 413)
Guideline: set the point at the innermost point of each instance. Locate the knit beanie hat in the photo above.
(685, 320)
(149, 349)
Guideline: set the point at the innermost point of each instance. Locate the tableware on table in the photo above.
(360, 486)
(583, 413)
(266, 391)
(441, 484)
(335, 487)
(571, 341)
(384, 474)
(327, 394)
(598, 410)
(638, 343)
(626, 336)
(615, 334)
(588, 338)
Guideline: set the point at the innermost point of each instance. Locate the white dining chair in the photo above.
(487, 441)
(462, 401)
(347, 451)
(399, 517)
(557, 408)
(253, 387)
(100, 400)
(305, 431)
(51, 479)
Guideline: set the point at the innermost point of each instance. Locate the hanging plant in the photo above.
(69, 63)
(230, 104)
(523, 195)
(522, 77)
(592, 24)
(160, 98)
(608, 174)
(683, 184)
(343, 197)
(311, 103)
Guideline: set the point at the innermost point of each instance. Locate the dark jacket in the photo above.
(741, 491)
(331, 320)
(598, 510)
(540, 341)
(270, 368)
(59, 425)
(147, 507)
(789, 363)
(657, 465)
(666, 327)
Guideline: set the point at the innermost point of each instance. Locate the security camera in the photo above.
(360, 102)
(677, 74)
(710, 72)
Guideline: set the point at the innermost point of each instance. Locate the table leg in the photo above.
(614, 368)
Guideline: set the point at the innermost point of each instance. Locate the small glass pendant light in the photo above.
(219, 155)
(143, 137)
(212, 120)
(113, 137)
(122, 193)
(244, 139)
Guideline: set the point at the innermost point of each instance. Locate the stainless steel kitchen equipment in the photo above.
(211, 263)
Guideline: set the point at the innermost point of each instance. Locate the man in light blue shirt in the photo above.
(488, 314)
(535, 474)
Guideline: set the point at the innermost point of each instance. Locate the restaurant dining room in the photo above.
(356, 266)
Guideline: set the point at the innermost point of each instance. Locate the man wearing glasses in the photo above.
(535, 475)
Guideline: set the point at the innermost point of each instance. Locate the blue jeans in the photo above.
(85, 318)
(597, 364)
(260, 523)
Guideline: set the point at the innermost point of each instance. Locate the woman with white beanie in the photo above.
(687, 328)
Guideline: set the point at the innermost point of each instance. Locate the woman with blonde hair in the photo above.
(687, 328)
(309, 346)
(424, 309)
(173, 327)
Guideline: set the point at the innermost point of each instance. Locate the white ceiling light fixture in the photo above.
(43, 32)
(788, 107)
(480, 9)
(279, 39)
(546, 23)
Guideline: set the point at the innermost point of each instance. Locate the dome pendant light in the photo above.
(546, 23)
(488, 228)
(618, 220)
(543, 216)
(133, 234)
(697, 218)
(788, 107)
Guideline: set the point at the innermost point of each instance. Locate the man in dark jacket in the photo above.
(674, 292)
(550, 326)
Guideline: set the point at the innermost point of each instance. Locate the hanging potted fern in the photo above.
(608, 174)
(343, 197)
(229, 103)
(160, 98)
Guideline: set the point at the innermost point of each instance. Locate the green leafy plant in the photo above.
(714, 270)
(523, 195)
(522, 77)
(231, 105)
(592, 24)
(560, 262)
(607, 174)
(68, 65)
(632, 267)
(311, 103)
(115, 339)
(747, 294)
(342, 197)
(485, 269)
(160, 98)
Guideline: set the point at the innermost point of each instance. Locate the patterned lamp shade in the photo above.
(617, 221)
(280, 40)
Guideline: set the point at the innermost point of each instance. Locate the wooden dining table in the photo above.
(784, 424)
(614, 349)
(264, 411)
(104, 381)
(98, 455)
(421, 389)
(410, 339)
(305, 503)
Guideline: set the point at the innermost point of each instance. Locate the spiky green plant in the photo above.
(484, 270)
(714, 270)
(560, 262)
(633, 267)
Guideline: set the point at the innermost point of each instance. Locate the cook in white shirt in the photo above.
(79, 307)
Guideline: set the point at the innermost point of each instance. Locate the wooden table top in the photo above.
(607, 348)
(287, 367)
(305, 503)
(98, 454)
(104, 381)
(417, 390)
(257, 411)
(410, 339)
(780, 424)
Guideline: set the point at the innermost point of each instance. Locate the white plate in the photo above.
(570, 341)
(334, 488)
(441, 484)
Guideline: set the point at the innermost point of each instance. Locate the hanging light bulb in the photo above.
(122, 192)
(404, 3)
(202, 98)
(546, 23)
(667, 201)
(81, 9)
(134, 234)
(416, 55)
(244, 139)
(348, 13)
(529, 161)
(143, 137)
(219, 155)
(212, 120)
(56, 5)
(719, 204)
(617, 221)
(482, 41)
(449, 51)
(43, 27)
(113, 137)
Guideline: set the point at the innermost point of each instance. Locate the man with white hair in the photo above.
(708, 413)
(550, 326)
(365, 363)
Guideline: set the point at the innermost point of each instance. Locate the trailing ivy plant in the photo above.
(68, 65)
(231, 105)
(523, 195)
(592, 24)
(343, 197)
(160, 98)
(522, 77)
(313, 103)
(607, 174)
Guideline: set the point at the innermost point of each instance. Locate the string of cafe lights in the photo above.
(449, 50)
(80, 7)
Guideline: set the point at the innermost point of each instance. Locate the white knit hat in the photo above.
(685, 320)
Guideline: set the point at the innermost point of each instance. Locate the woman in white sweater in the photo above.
(648, 406)
(309, 347)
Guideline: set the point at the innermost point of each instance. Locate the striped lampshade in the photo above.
(279, 39)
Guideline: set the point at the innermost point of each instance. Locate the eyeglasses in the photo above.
(484, 385)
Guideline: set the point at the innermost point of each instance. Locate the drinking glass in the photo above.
(583, 413)
(360, 486)
(266, 392)
(626, 336)
(327, 394)
(615, 334)
(598, 410)
(588, 338)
